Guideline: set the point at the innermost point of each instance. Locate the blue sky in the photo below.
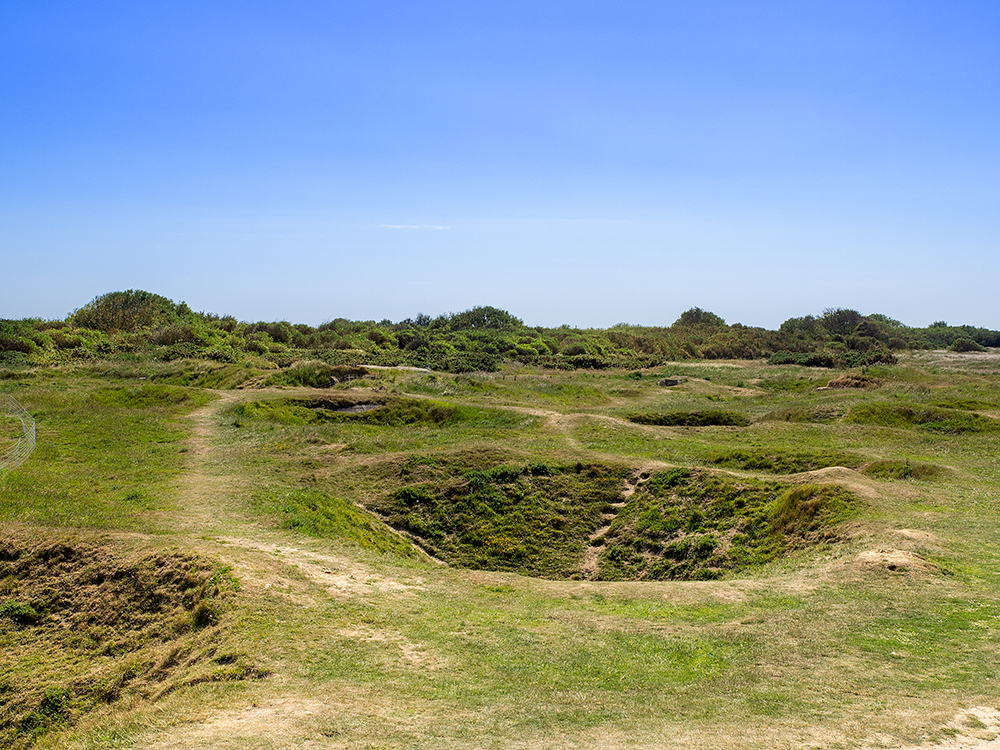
(572, 162)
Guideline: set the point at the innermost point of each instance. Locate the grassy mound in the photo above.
(901, 470)
(932, 418)
(854, 380)
(316, 374)
(320, 514)
(805, 414)
(148, 397)
(92, 624)
(697, 525)
(784, 461)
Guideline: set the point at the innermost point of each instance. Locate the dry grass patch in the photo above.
(86, 623)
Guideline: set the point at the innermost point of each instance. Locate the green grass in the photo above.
(696, 525)
(784, 461)
(801, 633)
(390, 412)
(319, 514)
(533, 519)
(933, 418)
(105, 456)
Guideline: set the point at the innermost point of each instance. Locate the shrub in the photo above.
(840, 321)
(64, 340)
(15, 344)
(853, 358)
(698, 317)
(129, 311)
(176, 334)
(965, 344)
(706, 418)
(313, 373)
(806, 359)
(489, 318)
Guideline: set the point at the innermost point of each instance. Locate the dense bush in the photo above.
(965, 344)
(480, 339)
(706, 418)
(129, 311)
(806, 359)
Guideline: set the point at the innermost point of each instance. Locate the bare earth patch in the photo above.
(340, 577)
(975, 728)
(275, 723)
(852, 480)
(891, 559)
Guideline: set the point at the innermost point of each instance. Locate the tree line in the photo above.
(140, 324)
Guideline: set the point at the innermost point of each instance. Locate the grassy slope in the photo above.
(892, 629)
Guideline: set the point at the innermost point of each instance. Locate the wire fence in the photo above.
(13, 456)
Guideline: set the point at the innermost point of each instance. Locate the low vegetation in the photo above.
(694, 524)
(257, 535)
(139, 325)
(533, 519)
(785, 461)
(933, 418)
(706, 418)
(83, 626)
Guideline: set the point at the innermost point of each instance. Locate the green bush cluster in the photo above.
(806, 359)
(139, 323)
(965, 344)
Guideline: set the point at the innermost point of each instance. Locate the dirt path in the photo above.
(591, 565)
(206, 490)
(212, 508)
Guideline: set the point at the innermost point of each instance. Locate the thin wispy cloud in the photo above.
(413, 226)
(693, 173)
